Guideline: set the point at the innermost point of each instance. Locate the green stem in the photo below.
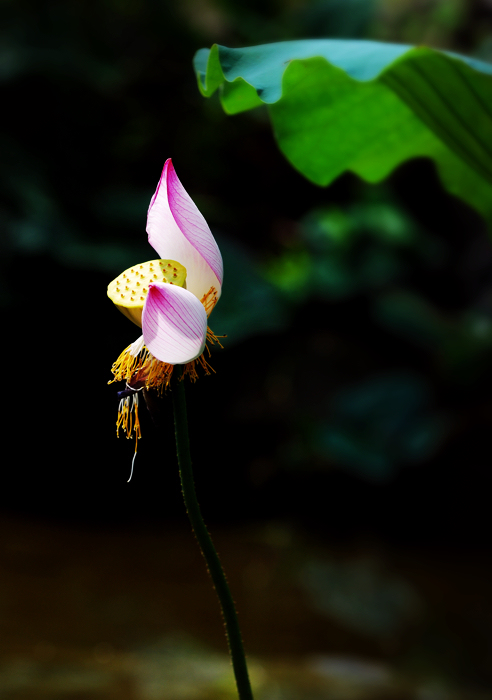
(206, 545)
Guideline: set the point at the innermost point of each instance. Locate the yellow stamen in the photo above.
(209, 300)
(128, 419)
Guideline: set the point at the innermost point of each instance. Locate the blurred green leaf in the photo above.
(380, 424)
(252, 305)
(336, 18)
(365, 106)
(339, 252)
(462, 342)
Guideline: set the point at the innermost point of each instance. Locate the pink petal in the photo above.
(174, 324)
(177, 231)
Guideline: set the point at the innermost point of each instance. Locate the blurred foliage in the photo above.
(461, 344)
(340, 18)
(251, 307)
(380, 424)
(384, 421)
(361, 249)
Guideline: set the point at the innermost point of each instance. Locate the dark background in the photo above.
(352, 400)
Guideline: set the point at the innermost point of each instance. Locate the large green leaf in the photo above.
(366, 107)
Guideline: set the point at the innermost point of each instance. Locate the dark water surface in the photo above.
(131, 615)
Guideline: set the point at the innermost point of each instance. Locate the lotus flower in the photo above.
(170, 298)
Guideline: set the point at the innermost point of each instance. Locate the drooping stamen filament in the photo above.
(128, 419)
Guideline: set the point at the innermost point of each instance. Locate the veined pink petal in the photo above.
(174, 324)
(178, 231)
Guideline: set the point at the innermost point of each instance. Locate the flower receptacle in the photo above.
(129, 290)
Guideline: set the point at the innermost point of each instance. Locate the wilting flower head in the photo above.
(170, 298)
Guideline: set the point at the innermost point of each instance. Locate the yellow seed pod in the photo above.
(129, 290)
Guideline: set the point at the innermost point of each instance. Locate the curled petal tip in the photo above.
(177, 230)
(162, 177)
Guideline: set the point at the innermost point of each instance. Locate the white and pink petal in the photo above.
(178, 231)
(174, 324)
